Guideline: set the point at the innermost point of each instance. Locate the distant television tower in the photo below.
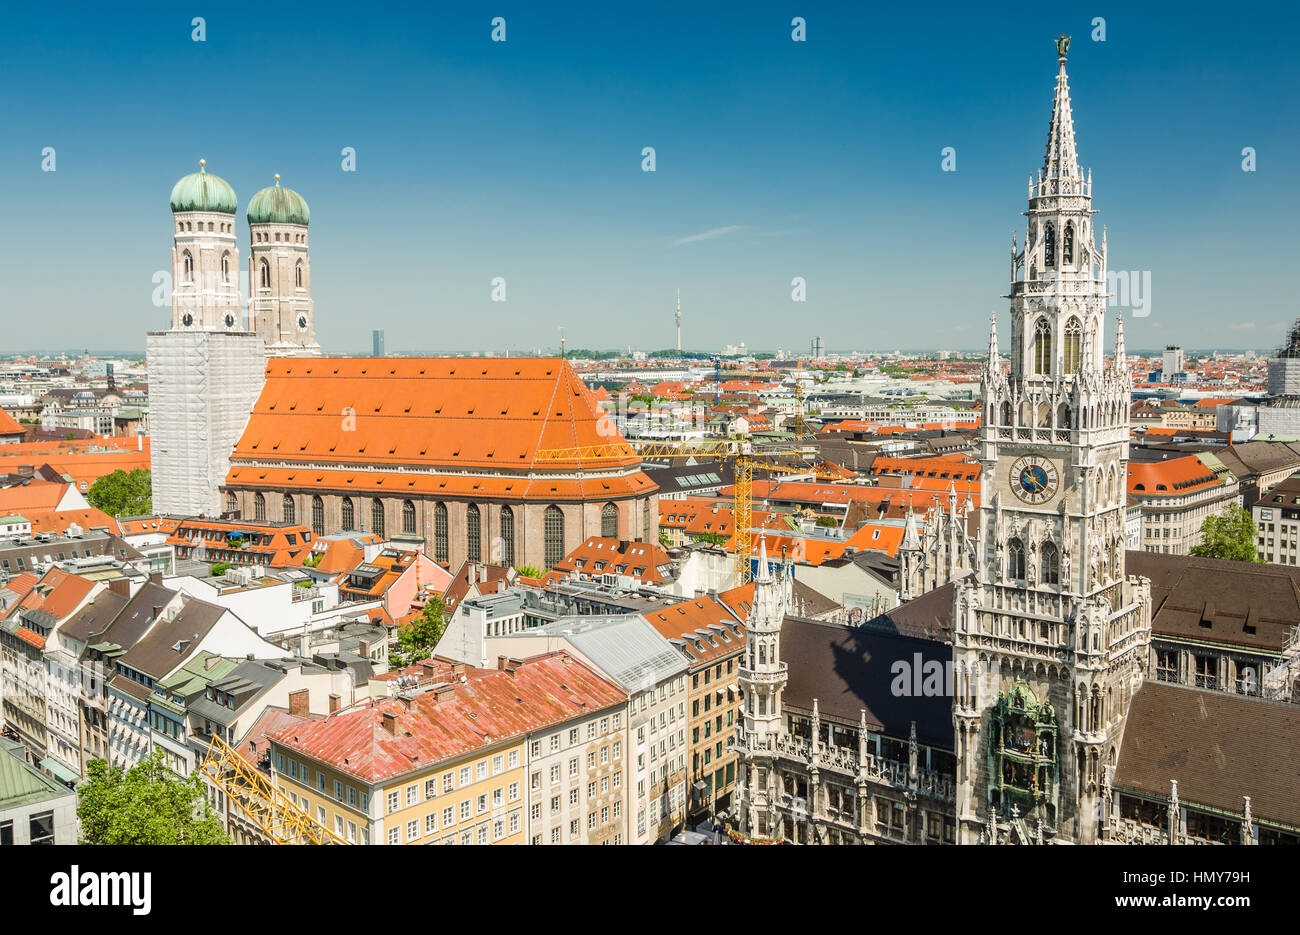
(678, 317)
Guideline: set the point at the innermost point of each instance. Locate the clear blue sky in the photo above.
(522, 159)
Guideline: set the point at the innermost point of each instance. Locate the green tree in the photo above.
(1230, 535)
(123, 493)
(147, 804)
(219, 569)
(416, 640)
(530, 571)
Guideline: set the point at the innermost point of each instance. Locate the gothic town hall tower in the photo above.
(1049, 635)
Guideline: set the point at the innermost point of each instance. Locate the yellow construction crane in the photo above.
(261, 803)
(739, 451)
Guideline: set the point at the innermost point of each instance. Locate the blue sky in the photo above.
(522, 159)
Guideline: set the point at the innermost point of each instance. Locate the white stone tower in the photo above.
(280, 307)
(1050, 639)
(205, 254)
(762, 679)
(206, 372)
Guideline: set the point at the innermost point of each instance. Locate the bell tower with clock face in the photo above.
(1049, 635)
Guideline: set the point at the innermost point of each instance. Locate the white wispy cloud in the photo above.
(709, 234)
(1243, 326)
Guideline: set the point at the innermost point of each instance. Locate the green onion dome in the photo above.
(201, 191)
(276, 205)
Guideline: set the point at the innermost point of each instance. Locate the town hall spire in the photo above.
(1062, 159)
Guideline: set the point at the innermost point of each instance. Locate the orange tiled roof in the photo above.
(21, 585)
(684, 620)
(490, 706)
(10, 426)
(146, 524)
(58, 593)
(941, 467)
(76, 459)
(1167, 478)
(459, 413)
(600, 555)
(34, 495)
(59, 521)
(876, 537)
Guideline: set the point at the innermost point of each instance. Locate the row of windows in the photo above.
(466, 774)
(264, 237)
(552, 525)
(188, 226)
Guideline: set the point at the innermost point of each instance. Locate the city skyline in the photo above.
(846, 190)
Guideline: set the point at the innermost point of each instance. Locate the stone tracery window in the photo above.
(553, 535)
(1016, 559)
(609, 521)
(288, 511)
(1049, 247)
(440, 533)
(1051, 564)
(507, 557)
(1042, 347)
(1067, 243)
(473, 534)
(349, 513)
(1073, 345)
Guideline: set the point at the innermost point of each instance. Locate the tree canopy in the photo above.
(1230, 535)
(416, 640)
(123, 493)
(147, 804)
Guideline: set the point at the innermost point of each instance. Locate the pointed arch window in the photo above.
(1049, 247)
(1016, 560)
(1051, 564)
(473, 534)
(1073, 345)
(553, 535)
(1006, 412)
(507, 537)
(349, 514)
(408, 517)
(377, 517)
(288, 511)
(1042, 347)
(225, 267)
(609, 521)
(318, 516)
(440, 533)
(297, 273)
(232, 503)
(266, 275)
(1067, 244)
(259, 507)
(187, 266)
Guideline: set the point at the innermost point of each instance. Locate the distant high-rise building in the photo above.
(818, 348)
(678, 318)
(1173, 363)
(377, 343)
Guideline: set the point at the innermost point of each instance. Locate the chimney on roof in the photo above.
(298, 703)
(430, 668)
(472, 573)
(458, 668)
(363, 648)
(443, 693)
(335, 703)
(508, 664)
(120, 586)
(390, 722)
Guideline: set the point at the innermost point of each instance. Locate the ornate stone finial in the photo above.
(1062, 47)
(202, 163)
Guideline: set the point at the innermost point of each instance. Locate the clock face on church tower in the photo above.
(1034, 479)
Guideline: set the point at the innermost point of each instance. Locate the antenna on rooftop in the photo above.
(678, 318)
